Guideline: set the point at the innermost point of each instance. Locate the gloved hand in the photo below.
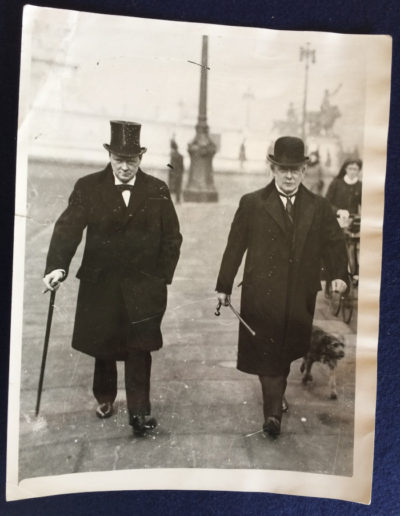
(223, 298)
(339, 285)
(343, 218)
(53, 279)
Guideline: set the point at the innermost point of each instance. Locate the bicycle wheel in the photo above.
(335, 303)
(328, 290)
(347, 307)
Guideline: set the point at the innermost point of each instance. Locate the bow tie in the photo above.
(122, 188)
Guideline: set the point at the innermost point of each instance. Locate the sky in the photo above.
(137, 69)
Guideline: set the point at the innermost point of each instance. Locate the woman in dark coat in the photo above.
(344, 193)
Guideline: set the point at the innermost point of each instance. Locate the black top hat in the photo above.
(125, 139)
(288, 151)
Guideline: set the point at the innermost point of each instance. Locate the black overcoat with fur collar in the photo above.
(130, 256)
(281, 274)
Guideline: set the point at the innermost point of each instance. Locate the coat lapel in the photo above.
(273, 205)
(304, 216)
(138, 195)
(111, 197)
(114, 200)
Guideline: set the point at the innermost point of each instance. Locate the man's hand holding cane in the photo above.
(53, 279)
(52, 282)
(225, 300)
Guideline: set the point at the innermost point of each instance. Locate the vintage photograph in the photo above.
(196, 262)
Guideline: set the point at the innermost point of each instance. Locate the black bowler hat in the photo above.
(125, 139)
(288, 151)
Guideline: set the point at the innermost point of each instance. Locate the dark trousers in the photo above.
(137, 381)
(273, 389)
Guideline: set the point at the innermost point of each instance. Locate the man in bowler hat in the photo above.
(131, 251)
(288, 233)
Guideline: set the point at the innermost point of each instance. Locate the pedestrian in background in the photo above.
(131, 251)
(314, 175)
(242, 154)
(344, 193)
(176, 169)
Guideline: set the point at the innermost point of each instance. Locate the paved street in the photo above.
(210, 414)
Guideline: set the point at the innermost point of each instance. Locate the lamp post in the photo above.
(308, 55)
(200, 186)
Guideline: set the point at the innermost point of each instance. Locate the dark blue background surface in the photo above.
(350, 16)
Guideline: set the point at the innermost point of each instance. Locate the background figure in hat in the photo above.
(287, 232)
(176, 169)
(314, 174)
(242, 154)
(131, 251)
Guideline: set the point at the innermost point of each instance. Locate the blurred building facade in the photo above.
(86, 69)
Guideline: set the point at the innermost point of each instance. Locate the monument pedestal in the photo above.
(200, 186)
(200, 196)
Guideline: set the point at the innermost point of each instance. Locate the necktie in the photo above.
(289, 207)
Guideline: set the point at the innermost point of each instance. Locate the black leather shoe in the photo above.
(272, 426)
(141, 425)
(105, 410)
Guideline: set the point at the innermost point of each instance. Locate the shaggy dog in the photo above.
(327, 349)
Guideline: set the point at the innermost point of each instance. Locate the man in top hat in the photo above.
(131, 251)
(288, 232)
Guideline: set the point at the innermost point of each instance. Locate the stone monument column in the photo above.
(200, 186)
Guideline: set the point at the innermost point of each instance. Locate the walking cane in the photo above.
(218, 312)
(45, 347)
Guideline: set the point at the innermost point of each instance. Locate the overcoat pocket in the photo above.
(90, 274)
(145, 297)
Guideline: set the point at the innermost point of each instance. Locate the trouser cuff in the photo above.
(138, 413)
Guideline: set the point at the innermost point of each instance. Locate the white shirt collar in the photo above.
(118, 182)
(349, 181)
(285, 196)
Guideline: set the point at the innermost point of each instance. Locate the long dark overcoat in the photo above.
(130, 256)
(281, 274)
(175, 173)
